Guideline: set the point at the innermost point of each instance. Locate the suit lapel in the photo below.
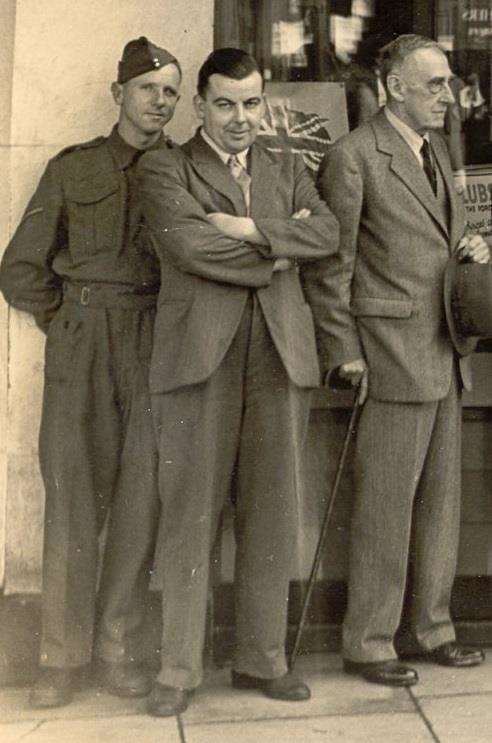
(213, 171)
(265, 172)
(405, 166)
(456, 209)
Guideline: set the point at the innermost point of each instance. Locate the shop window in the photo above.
(464, 30)
(316, 41)
(295, 40)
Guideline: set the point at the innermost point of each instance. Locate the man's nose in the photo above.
(239, 112)
(447, 94)
(159, 97)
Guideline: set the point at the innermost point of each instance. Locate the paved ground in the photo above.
(447, 706)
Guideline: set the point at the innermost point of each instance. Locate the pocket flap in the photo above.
(375, 307)
(90, 192)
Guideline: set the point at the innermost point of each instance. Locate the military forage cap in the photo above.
(141, 55)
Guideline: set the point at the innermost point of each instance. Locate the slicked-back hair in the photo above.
(231, 62)
(394, 54)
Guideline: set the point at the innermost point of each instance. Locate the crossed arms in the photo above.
(189, 230)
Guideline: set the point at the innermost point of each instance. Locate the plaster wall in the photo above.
(7, 23)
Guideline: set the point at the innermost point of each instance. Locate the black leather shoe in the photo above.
(287, 687)
(127, 680)
(53, 688)
(389, 672)
(455, 655)
(166, 701)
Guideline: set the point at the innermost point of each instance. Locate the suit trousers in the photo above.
(98, 460)
(408, 493)
(246, 424)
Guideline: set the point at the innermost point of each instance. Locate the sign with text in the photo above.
(478, 200)
(475, 22)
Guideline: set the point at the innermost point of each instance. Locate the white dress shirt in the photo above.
(411, 137)
(224, 156)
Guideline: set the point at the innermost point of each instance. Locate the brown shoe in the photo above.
(166, 701)
(127, 680)
(388, 673)
(53, 688)
(455, 655)
(287, 687)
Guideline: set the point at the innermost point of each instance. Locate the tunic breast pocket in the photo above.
(93, 211)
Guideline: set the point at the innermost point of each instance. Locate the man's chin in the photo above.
(237, 144)
(236, 147)
(157, 127)
(437, 123)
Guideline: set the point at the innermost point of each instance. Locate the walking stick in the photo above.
(324, 528)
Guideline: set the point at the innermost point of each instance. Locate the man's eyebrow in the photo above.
(223, 99)
(167, 86)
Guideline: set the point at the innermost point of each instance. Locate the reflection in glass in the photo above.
(464, 30)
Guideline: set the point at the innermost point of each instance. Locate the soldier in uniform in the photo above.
(79, 263)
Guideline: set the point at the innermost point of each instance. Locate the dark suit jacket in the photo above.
(382, 298)
(207, 277)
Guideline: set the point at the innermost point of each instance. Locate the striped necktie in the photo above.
(242, 177)
(428, 163)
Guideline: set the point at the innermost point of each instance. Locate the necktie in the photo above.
(242, 178)
(429, 169)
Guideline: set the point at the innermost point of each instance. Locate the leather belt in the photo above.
(109, 296)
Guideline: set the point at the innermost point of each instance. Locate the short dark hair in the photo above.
(394, 54)
(228, 61)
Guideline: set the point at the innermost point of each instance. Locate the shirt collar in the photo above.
(411, 137)
(125, 154)
(224, 156)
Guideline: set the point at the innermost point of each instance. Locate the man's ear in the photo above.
(117, 92)
(395, 87)
(198, 104)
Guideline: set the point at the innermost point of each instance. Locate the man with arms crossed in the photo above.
(77, 262)
(234, 359)
(381, 318)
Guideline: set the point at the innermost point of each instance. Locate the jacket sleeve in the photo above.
(181, 232)
(27, 280)
(307, 239)
(328, 283)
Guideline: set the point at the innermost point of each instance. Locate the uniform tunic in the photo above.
(80, 264)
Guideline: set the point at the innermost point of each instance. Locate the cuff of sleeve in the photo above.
(333, 380)
(42, 322)
(269, 228)
(267, 270)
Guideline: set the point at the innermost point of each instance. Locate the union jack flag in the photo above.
(283, 129)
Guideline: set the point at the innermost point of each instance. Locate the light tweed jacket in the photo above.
(382, 297)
